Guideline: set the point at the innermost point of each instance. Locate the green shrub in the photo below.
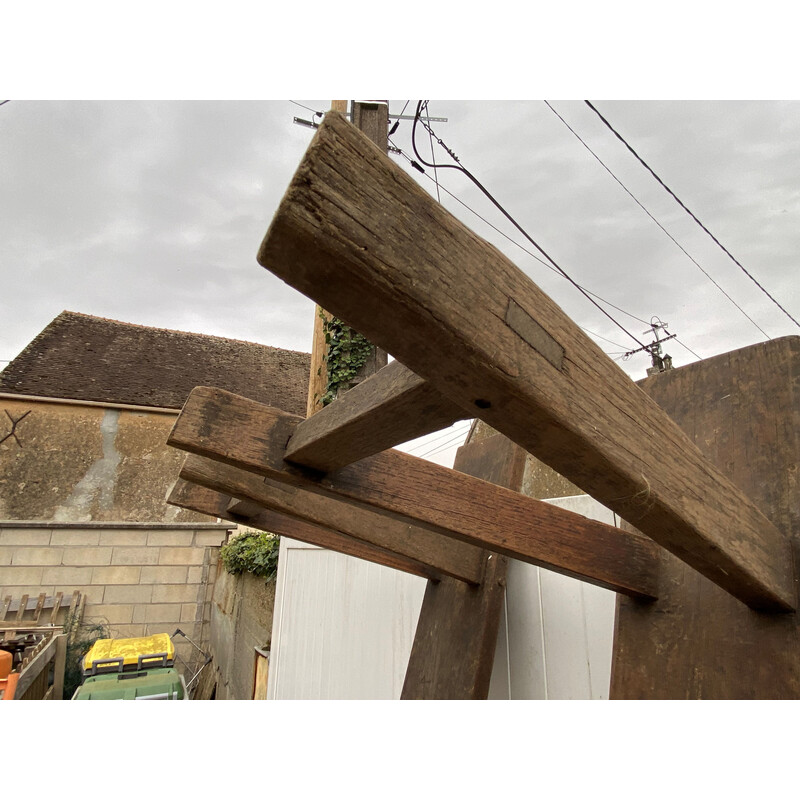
(255, 552)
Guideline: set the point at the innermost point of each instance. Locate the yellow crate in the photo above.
(118, 655)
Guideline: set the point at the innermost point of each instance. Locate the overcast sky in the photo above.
(152, 212)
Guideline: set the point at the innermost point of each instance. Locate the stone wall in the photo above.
(240, 621)
(138, 579)
(80, 462)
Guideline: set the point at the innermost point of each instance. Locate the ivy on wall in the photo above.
(255, 552)
(346, 353)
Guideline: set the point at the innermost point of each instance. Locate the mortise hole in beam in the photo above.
(483, 404)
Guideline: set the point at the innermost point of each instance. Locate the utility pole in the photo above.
(659, 362)
(372, 118)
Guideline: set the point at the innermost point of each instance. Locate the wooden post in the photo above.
(318, 378)
(60, 667)
(696, 641)
(372, 119)
(454, 644)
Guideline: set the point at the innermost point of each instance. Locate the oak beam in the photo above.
(216, 504)
(252, 436)
(456, 636)
(391, 407)
(357, 234)
(438, 554)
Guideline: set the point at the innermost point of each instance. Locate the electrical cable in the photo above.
(636, 200)
(688, 348)
(442, 434)
(433, 156)
(466, 172)
(680, 203)
(397, 121)
(313, 111)
(524, 249)
(454, 442)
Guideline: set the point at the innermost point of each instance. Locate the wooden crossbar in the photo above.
(223, 506)
(419, 546)
(252, 436)
(462, 316)
(391, 407)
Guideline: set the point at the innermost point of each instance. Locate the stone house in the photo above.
(85, 411)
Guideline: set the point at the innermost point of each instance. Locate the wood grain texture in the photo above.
(207, 501)
(318, 374)
(456, 636)
(391, 407)
(696, 642)
(439, 555)
(357, 234)
(237, 431)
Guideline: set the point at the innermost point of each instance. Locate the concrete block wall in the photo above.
(138, 579)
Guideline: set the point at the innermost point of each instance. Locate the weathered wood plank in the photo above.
(456, 636)
(208, 501)
(246, 434)
(39, 606)
(23, 607)
(33, 670)
(357, 234)
(391, 407)
(57, 601)
(441, 555)
(696, 642)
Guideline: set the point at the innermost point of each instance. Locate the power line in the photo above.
(505, 213)
(312, 110)
(688, 348)
(636, 200)
(680, 203)
(445, 445)
(433, 156)
(442, 435)
(524, 249)
(502, 233)
(3, 102)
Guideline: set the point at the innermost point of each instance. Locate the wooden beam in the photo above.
(246, 434)
(459, 314)
(456, 636)
(440, 554)
(207, 501)
(391, 407)
(696, 641)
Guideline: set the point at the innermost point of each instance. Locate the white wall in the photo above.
(556, 632)
(343, 628)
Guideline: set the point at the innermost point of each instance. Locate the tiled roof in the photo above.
(81, 357)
